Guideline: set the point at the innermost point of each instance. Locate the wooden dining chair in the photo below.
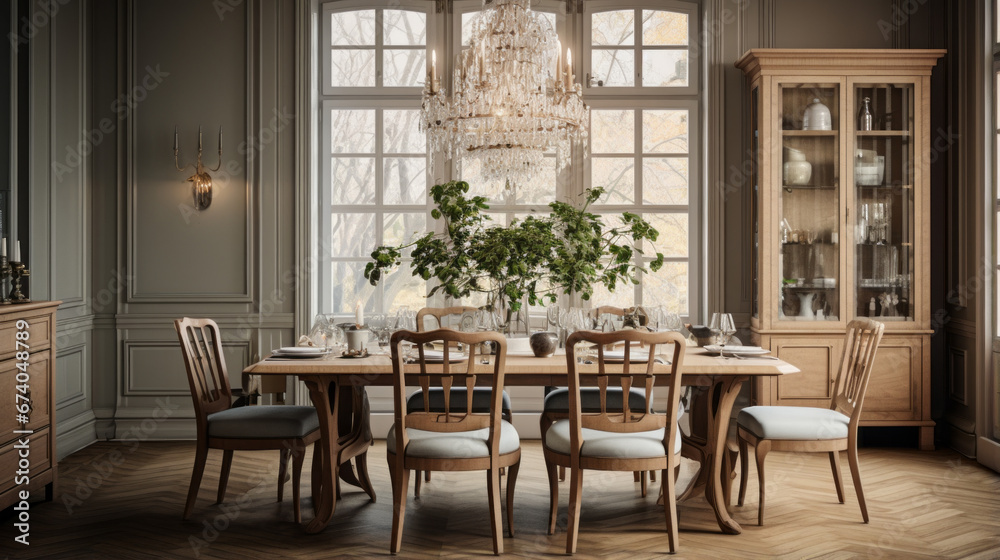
(616, 438)
(825, 430)
(456, 438)
(289, 429)
(480, 395)
(556, 402)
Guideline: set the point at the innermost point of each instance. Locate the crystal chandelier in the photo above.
(506, 109)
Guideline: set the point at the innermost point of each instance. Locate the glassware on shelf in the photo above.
(865, 115)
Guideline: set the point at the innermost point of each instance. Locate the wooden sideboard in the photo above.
(40, 325)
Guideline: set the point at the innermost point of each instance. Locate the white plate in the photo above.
(432, 356)
(619, 356)
(741, 350)
(298, 350)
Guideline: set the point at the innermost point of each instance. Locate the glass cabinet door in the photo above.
(809, 209)
(883, 171)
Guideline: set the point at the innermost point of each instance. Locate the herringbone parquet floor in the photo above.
(123, 500)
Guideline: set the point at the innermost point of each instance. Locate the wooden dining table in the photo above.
(336, 387)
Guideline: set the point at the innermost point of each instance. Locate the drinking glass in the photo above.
(715, 326)
(727, 327)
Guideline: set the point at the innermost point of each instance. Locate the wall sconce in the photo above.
(201, 180)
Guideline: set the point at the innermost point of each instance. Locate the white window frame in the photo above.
(693, 12)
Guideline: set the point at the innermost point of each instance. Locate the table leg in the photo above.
(319, 393)
(724, 393)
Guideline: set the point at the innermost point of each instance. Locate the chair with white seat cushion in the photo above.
(286, 428)
(826, 430)
(614, 436)
(439, 317)
(454, 438)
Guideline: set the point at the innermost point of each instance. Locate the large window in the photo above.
(640, 79)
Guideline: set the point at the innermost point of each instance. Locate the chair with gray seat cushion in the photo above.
(456, 438)
(286, 428)
(616, 439)
(456, 317)
(826, 430)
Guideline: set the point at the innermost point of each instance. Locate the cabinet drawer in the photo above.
(39, 327)
(40, 459)
(38, 372)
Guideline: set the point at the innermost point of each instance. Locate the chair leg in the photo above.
(670, 508)
(298, 457)
(496, 518)
(200, 456)
(573, 521)
(744, 465)
(852, 459)
(837, 480)
(636, 476)
(562, 473)
(227, 463)
(551, 469)
(283, 472)
(416, 483)
(427, 476)
(652, 476)
(728, 472)
(763, 447)
(642, 483)
(511, 482)
(401, 481)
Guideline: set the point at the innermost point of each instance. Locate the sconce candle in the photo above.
(3, 247)
(201, 180)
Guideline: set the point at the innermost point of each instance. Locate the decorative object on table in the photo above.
(544, 343)
(701, 333)
(816, 116)
(570, 250)
(806, 305)
(865, 115)
(201, 181)
(796, 171)
(357, 337)
(506, 110)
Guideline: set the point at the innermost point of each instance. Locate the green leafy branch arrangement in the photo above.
(533, 259)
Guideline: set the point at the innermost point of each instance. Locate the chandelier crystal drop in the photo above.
(507, 109)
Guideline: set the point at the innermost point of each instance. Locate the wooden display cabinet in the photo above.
(840, 209)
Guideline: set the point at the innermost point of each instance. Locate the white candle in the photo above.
(17, 252)
(434, 63)
(569, 69)
(3, 247)
(558, 60)
(359, 317)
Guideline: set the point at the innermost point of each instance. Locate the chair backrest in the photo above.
(201, 345)
(440, 313)
(443, 375)
(860, 344)
(602, 374)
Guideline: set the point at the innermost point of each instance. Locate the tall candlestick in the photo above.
(359, 317)
(434, 80)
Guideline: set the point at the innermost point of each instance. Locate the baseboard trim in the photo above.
(75, 434)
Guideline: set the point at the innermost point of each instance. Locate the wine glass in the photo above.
(727, 327)
(715, 327)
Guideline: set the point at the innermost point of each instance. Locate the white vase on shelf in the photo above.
(817, 116)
